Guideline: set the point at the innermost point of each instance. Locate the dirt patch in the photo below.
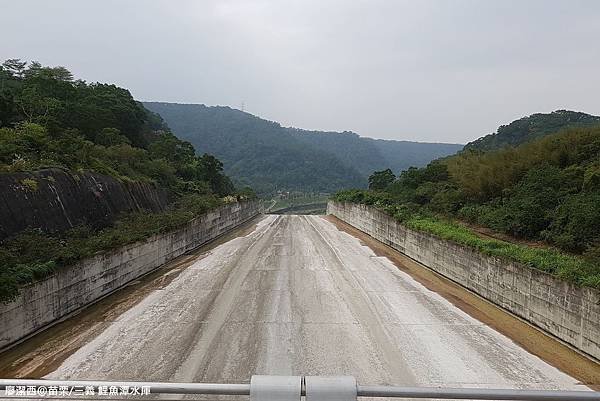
(44, 352)
(549, 349)
(488, 233)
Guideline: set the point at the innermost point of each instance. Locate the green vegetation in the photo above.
(48, 119)
(532, 127)
(380, 180)
(545, 190)
(269, 157)
(367, 154)
(30, 183)
(552, 261)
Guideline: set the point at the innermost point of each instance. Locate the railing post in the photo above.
(333, 388)
(275, 388)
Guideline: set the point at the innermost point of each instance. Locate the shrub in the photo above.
(30, 184)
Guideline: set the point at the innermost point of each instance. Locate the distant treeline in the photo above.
(532, 127)
(269, 157)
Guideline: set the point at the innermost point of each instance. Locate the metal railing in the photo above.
(275, 388)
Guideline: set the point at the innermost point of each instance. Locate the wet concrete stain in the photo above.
(522, 333)
(44, 352)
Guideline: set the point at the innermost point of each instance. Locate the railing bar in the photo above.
(475, 393)
(163, 397)
(95, 398)
(202, 397)
(90, 398)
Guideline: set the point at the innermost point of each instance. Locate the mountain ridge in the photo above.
(289, 158)
(532, 127)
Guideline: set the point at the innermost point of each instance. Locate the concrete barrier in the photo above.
(70, 289)
(564, 310)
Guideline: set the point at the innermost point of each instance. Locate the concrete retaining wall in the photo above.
(70, 289)
(562, 309)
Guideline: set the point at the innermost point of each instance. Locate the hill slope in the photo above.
(546, 191)
(256, 152)
(368, 154)
(268, 157)
(532, 127)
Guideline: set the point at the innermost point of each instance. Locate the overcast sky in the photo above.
(444, 71)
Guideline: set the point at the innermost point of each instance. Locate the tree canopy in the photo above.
(49, 119)
(380, 180)
(532, 127)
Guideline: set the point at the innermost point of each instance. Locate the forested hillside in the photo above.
(545, 190)
(49, 119)
(368, 154)
(269, 157)
(51, 122)
(256, 152)
(532, 127)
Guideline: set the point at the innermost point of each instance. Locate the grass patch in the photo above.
(30, 184)
(569, 267)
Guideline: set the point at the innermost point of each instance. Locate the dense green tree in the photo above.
(380, 180)
(111, 137)
(14, 67)
(529, 206)
(49, 119)
(212, 172)
(576, 224)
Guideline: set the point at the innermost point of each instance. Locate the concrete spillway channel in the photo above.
(285, 295)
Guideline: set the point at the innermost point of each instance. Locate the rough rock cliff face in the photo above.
(55, 200)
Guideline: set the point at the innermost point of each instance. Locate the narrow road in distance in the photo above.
(298, 296)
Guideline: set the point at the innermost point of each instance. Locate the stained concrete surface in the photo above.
(557, 306)
(298, 296)
(74, 287)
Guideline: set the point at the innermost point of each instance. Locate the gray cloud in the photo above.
(447, 71)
